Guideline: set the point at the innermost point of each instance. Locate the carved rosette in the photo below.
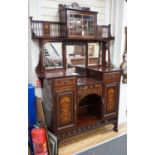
(65, 110)
(110, 104)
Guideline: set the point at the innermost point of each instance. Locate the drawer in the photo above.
(111, 77)
(64, 82)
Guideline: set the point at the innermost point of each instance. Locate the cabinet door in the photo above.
(81, 25)
(65, 109)
(74, 24)
(111, 99)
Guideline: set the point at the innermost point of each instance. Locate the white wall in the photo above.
(109, 11)
(118, 21)
(123, 87)
(48, 9)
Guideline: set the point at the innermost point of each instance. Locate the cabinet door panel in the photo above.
(111, 100)
(80, 25)
(65, 110)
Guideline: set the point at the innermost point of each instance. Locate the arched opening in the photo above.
(89, 109)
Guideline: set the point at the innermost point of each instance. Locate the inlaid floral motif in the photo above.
(87, 90)
(65, 110)
(111, 77)
(110, 105)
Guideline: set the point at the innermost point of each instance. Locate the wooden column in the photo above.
(103, 54)
(86, 54)
(40, 67)
(108, 49)
(64, 55)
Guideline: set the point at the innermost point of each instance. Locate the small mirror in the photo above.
(53, 55)
(94, 54)
(75, 55)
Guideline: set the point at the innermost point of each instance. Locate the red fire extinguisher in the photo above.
(39, 141)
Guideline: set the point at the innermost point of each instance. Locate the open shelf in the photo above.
(84, 106)
(89, 110)
(86, 119)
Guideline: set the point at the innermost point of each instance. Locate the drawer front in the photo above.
(111, 77)
(64, 82)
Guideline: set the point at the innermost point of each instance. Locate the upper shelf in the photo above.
(57, 31)
(76, 23)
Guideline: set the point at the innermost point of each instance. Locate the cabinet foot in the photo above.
(115, 127)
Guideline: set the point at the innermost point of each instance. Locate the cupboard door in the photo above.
(65, 108)
(81, 25)
(111, 100)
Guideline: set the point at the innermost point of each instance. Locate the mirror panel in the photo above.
(94, 54)
(53, 55)
(75, 55)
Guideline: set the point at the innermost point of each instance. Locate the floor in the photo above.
(82, 141)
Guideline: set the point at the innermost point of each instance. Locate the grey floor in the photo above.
(116, 146)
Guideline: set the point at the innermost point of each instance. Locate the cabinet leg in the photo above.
(116, 127)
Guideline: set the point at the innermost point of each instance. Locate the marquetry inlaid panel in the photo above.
(110, 100)
(65, 108)
(89, 89)
(65, 82)
(65, 89)
(111, 77)
(46, 29)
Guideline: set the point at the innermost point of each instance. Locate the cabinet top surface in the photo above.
(104, 69)
(61, 73)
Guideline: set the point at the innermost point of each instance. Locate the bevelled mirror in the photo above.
(53, 55)
(75, 55)
(94, 54)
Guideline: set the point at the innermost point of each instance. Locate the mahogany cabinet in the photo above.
(80, 87)
(81, 103)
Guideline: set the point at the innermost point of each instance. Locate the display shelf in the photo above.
(87, 119)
